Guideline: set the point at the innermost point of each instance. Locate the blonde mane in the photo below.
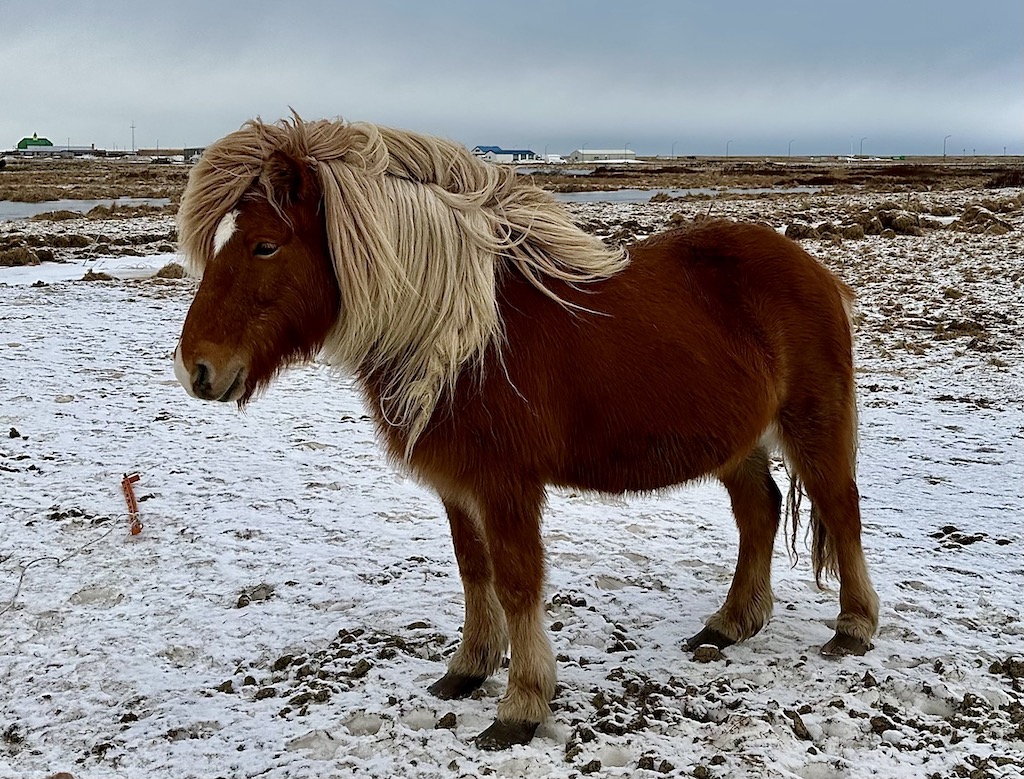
(417, 228)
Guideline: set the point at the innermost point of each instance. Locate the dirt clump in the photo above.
(172, 270)
(18, 256)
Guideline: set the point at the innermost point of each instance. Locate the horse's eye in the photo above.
(265, 249)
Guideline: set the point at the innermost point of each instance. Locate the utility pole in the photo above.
(133, 136)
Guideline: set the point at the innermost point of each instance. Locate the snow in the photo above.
(111, 658)
(126, 267)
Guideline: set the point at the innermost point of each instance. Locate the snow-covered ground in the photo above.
(291, 596)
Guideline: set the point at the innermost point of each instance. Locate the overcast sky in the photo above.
(703, 74)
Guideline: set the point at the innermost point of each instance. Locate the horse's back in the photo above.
(797, 308)
(762, 300)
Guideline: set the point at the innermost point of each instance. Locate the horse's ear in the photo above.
(290, 179)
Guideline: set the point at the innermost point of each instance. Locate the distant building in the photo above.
(44, 147)
(157, 152)
(498, 154)
(602, 155)
(34, 142)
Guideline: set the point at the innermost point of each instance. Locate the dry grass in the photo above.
(892, 176)
(19, 255)
(36, 181)
(171, 270)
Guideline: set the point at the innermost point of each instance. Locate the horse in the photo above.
(503, 351)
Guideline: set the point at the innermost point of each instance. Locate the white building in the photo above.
(602, 155)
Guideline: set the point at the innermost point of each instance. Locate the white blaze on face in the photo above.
(181, 372)
(225, 230)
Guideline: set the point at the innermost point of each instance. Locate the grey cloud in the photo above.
(560, 74)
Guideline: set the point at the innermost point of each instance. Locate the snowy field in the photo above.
(291, 595)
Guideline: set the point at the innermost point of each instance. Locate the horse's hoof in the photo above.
(502, 735)
(843, 644)
(452, 686)
(708, 636)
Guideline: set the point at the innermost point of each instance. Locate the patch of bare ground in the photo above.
(83, 240)
(831, 218)
(113, 211)
(923, 174)
(36, 181)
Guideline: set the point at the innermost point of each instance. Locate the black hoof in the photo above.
(502, 735)
(708, 636)
(453, 686)
(843, 644)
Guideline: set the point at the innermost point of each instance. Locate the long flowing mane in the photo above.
(419, 231)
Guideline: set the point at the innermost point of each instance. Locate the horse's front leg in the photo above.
(484, 637)
(512, 529)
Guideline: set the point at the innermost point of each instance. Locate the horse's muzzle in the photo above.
(205, 382)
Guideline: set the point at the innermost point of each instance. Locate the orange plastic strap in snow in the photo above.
(133, 505)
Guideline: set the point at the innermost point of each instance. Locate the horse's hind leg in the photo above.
(756, 504)
(483, 634)
(824, 460)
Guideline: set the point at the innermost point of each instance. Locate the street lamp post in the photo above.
(789, 148)
(944, 145)
(862, 145)
(625, 150)
(727, 148)
(675, 142)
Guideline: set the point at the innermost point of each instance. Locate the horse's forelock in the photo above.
(231, 166)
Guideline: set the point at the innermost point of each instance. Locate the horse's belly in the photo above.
(641, 462)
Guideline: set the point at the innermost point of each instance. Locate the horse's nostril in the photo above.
(201, 378)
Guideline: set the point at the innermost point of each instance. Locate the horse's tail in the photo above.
(824, 559)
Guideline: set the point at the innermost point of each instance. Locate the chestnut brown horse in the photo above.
(503, 350)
